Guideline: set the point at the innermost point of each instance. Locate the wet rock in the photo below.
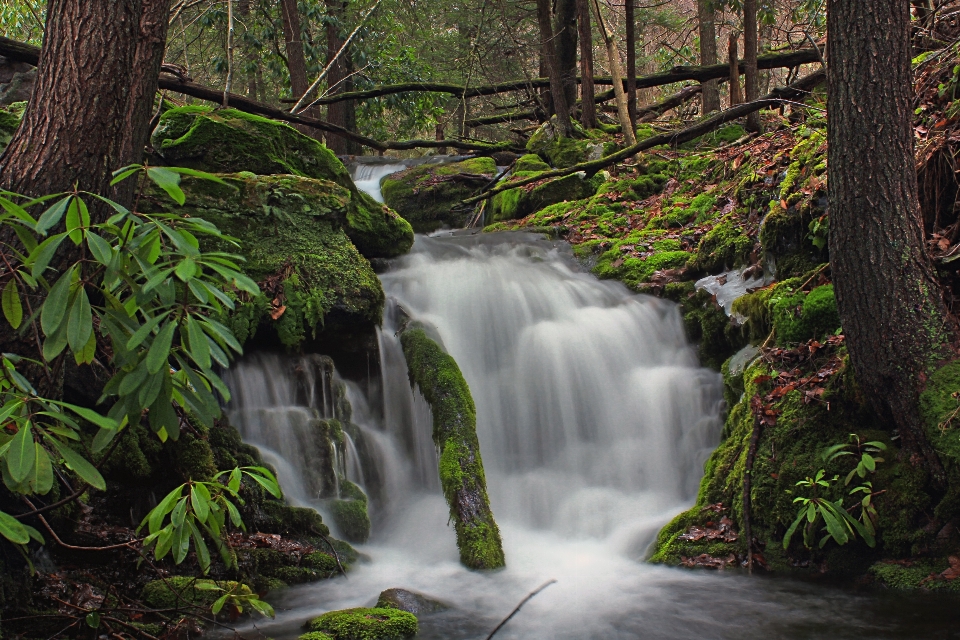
(363, 624)
(410, 601)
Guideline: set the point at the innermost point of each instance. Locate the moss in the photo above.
(530, 162)
(454, 432)
(801, 316)
(287, 520)
(940, 411)
(723, 246)
(179, 592)
(522, 201)
(635, 271)
(912, 576)
(227, 140)
(427, 194)
(291, 230)
(10, 117)
(350, 513)
(315, 635)
(709, 327)
(366, 624)
(269, 566)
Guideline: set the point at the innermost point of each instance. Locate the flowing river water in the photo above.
(594, 420)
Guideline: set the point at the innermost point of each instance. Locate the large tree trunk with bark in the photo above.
(343, 114)
(750, 72)
(734, 70)
(706, 16)
(890, 304)
(588, 114)
(558, 97)
(296, 59)
(565, 37)
(631, 44)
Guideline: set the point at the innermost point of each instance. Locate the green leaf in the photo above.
(103, 438)
(203, 554)
(78, 219)
(21, 455)
(145, 329)
(836, 530)
(168, 181)
(55, 306)
(84, 470)
(12, 308)
(234, 515)
(80, 321)
(40, 257)
(265, 479)
(99, 248)
(90, 415)
(88, 352)
(234, 483)
(43, 473)
(220, 331)
(149, 391)
(13, 530)
(186, 269)
(218, 605)
(51, 217)
(132, 380)
(163, 416)
(160, 349)
(93, 620)
(869, 462)
(198, 174)
(181, 543)
(201, 507)
(124, 172)
(261, 607)
(159, 512)
(199, 348)
(165, 540)
(18, 212)
(793, 528)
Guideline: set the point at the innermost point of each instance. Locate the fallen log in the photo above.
(790, 93)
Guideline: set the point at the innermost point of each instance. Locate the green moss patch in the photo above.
(181, 592)
(10, 117)
(350, 513)
(364, 624)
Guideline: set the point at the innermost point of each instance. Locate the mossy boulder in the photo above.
(291, 232)
(349, 513)
(803, 316)
(520, 202)
(464, 484)
(364, 624)
(228, 141)
(940, 412)
(181, 592)
(409, 601)
(562, 152)
(10, 117)
(724, 246)
(427, 194)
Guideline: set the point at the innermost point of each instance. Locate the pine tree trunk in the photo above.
(73, 129)
(631, 44)
(890, 304)
(588, 114)
(706, 16)
(750, 44)
(734, 60)
(566, 45)
(561, 108)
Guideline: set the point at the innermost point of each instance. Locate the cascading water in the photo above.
(367, 176)
(594, 419)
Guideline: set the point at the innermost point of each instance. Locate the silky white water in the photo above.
(594, 420)
(368, 176)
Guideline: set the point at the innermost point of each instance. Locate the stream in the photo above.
(594, 419)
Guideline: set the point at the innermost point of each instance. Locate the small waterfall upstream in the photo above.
(594, 420)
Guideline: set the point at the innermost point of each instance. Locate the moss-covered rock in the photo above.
(427, 194)
(563, 152)
(802, 316)
(724, 246)
(913, 575)
(455, 434)
(10, 117)
(940, 411)
(228, 141)
(291, 232)
(350, 513)
(182, 592)
(409, 601)
(364, 624)
(519, 202)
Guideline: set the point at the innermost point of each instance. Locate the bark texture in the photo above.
(342, 114)
(706, 15)
(750, 44)
(732, 45)
(631, 44)
(557, 94)
(566, 45)
(613, 59)
(296, 59)
(890, 305)
(588, 114)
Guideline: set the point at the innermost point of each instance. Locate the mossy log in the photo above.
(437, 375)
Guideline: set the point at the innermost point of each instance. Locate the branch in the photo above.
(517, 608)
(792, 92)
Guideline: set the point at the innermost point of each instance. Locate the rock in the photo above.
(410, 601)
(229, 141)
(427, 194)
(563, 152)
(363, 624)
(10, 117)
(520, 202)
(292, 235)
(16, 81)
(350, 513)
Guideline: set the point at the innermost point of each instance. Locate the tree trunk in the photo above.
(706, 16)
(296, 59)
(566, 46)
(631, 27)
(342, 114)
(243, 9)
(751, 82)
(613, 59)
(890, 305)
(560, 106)
(73, 129)
(735, 98)
(588, 114)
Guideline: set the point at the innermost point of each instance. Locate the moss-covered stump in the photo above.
(363, 624)
(349, 513)
(291, 232)
(426, 195)
(10, 117)
(228, 141)
(437, 375)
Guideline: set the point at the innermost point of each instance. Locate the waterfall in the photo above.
(367, 176)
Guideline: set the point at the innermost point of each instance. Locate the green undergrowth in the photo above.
(454, 432)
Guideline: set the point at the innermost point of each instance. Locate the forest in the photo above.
(388, 319)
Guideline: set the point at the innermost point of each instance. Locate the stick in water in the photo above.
(517, 608)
